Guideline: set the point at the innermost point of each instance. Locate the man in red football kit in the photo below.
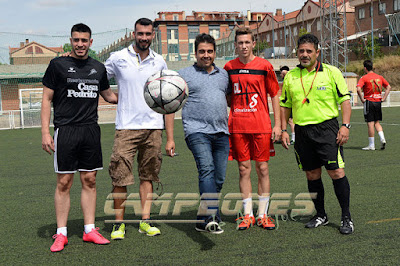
(372, 84)
(252, 79)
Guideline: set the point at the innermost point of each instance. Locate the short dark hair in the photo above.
(308, 38)
(244, 31)
(284, 68)
(368, 65)
(203, 38)
(80, 27)
(144, 22)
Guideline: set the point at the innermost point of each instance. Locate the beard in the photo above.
(142, 46)
(78, 55)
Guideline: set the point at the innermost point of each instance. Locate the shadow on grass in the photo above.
(75, 228)
(202, 238)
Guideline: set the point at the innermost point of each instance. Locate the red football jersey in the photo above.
(371, 85)
(251, 83)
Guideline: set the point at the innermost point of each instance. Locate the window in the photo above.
(361, 13)
(308, 27)
(276, 35)
(259, 18)
(173, 48)
(396, 5)
(38, 50)
(163, 16)
(281, 32)
(193, 31)
(318, 25)
(172, 34)
(268, 38)
(214, 31)
(382, 8)
(176, 17)
(29, 50)
(286, 32)
(295, 31)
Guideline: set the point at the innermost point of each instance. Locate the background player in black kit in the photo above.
(73, 85)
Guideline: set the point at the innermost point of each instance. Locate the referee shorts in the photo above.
(372, 111)
(77, 148)
(316, 146)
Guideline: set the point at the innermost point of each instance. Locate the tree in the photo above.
(363, 49)
(68, 48)
(302, 32)
(260, 47)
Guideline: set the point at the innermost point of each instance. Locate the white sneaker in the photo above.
(383, 144)
(369, 148)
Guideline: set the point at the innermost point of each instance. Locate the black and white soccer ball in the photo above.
(166, 92)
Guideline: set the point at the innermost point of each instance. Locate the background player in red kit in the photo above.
(372, 84)
(252, 79)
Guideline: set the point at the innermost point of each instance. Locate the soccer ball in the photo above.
(166, 92)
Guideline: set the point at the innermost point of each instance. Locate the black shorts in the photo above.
(372, 111)
(316, 146)
(77, 148)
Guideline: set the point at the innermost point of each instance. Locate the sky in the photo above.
(56, 17)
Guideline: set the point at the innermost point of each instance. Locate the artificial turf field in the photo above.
(28, 218)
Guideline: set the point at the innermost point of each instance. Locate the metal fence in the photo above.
(31, 118)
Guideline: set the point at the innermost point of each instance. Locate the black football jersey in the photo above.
(76, 84)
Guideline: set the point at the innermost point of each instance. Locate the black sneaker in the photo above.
(317, 221)
(346, 226)
(200, 227)
(383, 145)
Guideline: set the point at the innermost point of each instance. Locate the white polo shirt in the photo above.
(131, 74)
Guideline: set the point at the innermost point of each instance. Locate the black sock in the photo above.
(316, 186)
(342, 191)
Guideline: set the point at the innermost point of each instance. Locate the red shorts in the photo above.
(256, 147)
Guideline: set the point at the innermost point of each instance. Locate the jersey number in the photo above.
(376, 85)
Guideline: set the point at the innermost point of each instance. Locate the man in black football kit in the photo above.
(73, 85)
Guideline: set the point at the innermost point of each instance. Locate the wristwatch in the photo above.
(346, 125)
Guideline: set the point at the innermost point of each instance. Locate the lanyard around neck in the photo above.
(301, 79)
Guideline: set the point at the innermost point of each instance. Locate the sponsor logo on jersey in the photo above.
(244, 71)
(92, 71)
(85, 91)
(321, 88)
(245, 110)
(71, 70)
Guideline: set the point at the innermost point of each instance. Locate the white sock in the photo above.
(382, 136)
(263, 203)
(371, 141)
(62, 230)
(248, 207)
(89, 228)
(293, 136)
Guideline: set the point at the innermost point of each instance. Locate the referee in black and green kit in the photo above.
(312, 92)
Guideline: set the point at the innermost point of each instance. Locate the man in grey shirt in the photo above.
(205, 123)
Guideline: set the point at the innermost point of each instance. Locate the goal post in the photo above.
(30, 102)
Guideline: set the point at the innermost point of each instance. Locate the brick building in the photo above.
(33, 53)
(372, 15)
(176, 32)
(282, 30)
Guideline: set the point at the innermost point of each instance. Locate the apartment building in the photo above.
(176, 32)
(381, 16)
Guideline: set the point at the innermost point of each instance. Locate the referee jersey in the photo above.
(314, 96)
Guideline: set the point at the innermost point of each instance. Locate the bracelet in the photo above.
(284, 130)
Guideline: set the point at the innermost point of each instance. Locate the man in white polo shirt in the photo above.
(138, 128)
